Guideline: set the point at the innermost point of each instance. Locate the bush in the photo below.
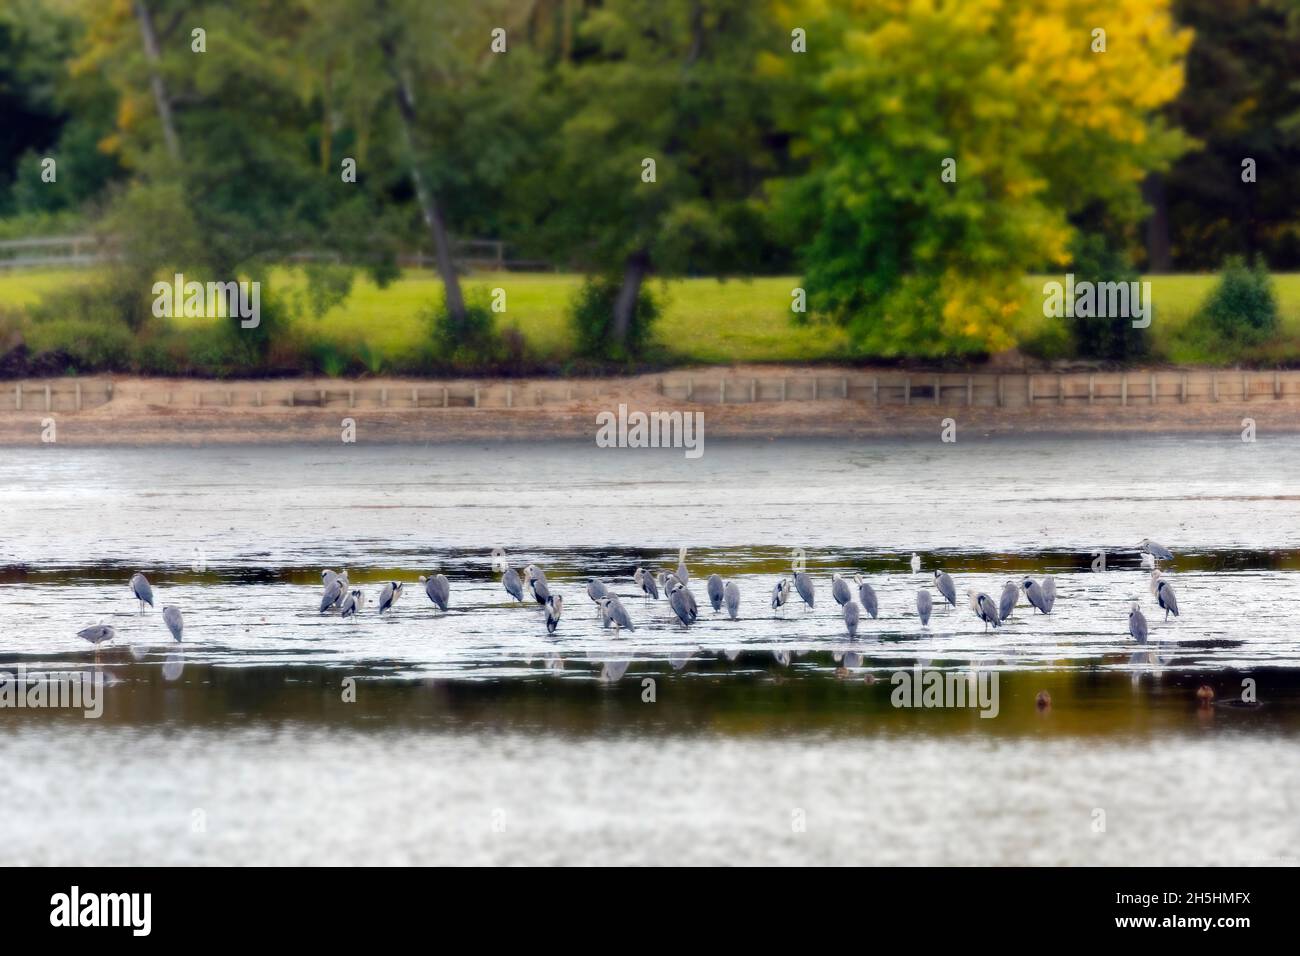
(592, 317)
(1242, 309)
(1095, 337)
(91, 344)
(467, 342)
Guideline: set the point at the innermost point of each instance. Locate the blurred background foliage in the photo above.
(796, 143)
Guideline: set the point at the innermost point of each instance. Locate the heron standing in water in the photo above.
(780, 594)
(731, 595)
(1137, 624)
(714, 591)
(353, 603)
(141, 589)
(554, 606)
(683, 603)
(175, 623)
(597, 591)
(1035, 595)
(613, 612)
(1158, 552)
(683, 574)
(512, 583)
(389, 595)
(646, 582)
(916, 563)
(867, 595)
(924, 604)
(803, 583)
(333, 593)
(1007, 602)
(852, 614)
(438, 589)
(1049, 592)
(947, 589)
(984, 608)
(840, 589)
(1163, 592)
(97, 634)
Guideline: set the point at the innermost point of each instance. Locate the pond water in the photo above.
(275, 733)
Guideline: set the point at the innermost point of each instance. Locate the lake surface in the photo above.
(275, 733)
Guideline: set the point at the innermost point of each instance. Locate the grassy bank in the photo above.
(705, 321)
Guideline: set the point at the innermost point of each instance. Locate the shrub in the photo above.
(592, 317)
(466, 342)
(1097, 337)
(1242, 309)
(92, 345)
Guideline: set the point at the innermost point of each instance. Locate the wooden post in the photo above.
(937, 389)
(1277, 385)
(415, 397)
(1091, 388)
(352, 397)
(1000, 392)
(783, 388)
(722, 391)
(875, 389)
(1123, 388)
(753, 389)
(446, 397)
(1182, 389)
(383, 398)
(1245, 387)
(690, 389)
(320, 397)
(476, 396)
(815, 395)
(907, 390)
(18, 396)
(970, 390)
(291, 398)
(1214, 385)
(1060, 389)
(78, 396)
(1152, 388)
(568, 393)
(257, 398)
(47, 398)
(661, 385)
(1029, 385)
(230, 398)
(510, 396)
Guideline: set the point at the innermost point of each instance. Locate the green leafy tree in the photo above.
(948, 145)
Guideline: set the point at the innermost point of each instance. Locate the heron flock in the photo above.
(339, 596)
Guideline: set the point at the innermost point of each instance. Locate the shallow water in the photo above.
(478, 710)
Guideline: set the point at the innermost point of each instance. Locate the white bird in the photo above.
(916, 563)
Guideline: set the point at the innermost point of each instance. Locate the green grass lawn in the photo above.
(705, 320)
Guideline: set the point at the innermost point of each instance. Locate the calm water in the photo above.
(476, 737)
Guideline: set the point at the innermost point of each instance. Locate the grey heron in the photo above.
(328, 575)
(683, 604)
(943, 581)
(646, 582)
(141, 589)
(1157, 551)
(615, 613)
(1049, 592)
(840, 589)
(597, 591)
(97, 634)
(714, 591)
(1137, 624)
(852, 613)
(1007, 602)
(916, 563)
(985, 608)
(803, 583)
(534, 577)
(1164, 594)
(172, 618)
(867, 595)
(513, 584)
(924, 604)
(388, 596)
(1035, 595)
(554, 605)
(333, 594)
(731, 596)
(780, 594)
(438, 589)
(353, 602)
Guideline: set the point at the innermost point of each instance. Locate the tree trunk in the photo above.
(634, 272)
(161, 100)
(428, 202)
(1158, 258)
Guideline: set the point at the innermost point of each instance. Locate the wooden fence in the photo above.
(1115, 389)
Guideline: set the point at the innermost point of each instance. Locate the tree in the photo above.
(658, 150)
(950, 142)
